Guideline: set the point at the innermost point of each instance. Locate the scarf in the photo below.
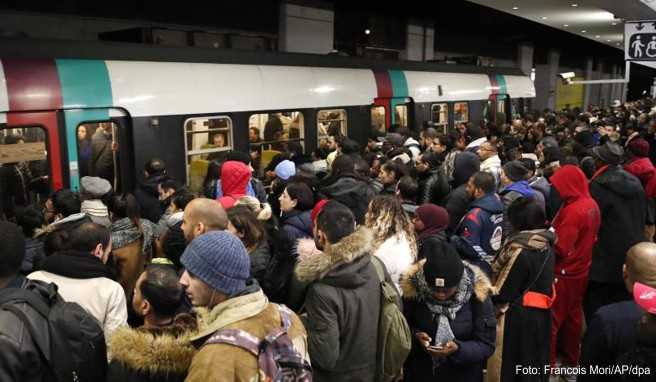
(444, 311)
(76, 265)
(537, 240)
(124, 232)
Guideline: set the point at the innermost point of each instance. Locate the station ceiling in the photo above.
(597, 20)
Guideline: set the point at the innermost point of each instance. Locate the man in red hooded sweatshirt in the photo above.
(235, 177)
(576, 225)
(639, 165)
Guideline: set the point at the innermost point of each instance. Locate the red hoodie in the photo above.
(234, 182)
(576, 224)
(644, 170)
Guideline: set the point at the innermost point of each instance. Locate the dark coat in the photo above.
(294, 225)
(147, 196)
(527, 331)
(611, 333)
(13, 188)
(102, 156)
(260, 260)
(474, 328)
(433, 187)
(482, 226)
(352, 192)
(343, 306)
(20, 359)
(623, 207)
(456, 203)
(152, 355)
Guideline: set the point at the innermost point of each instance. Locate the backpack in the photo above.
(277, 358)
(77, 342)
(394, 337)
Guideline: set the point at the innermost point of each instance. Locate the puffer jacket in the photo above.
(342, 302)
(235, 178)
(20, 359)
(474, 328)
(623, 205)
(147, 195)
(397, 255)
(294, 225)
(433, 187)
(251, 312)
(353, 193)
(576, 224)
(260, 260)
(152, 354)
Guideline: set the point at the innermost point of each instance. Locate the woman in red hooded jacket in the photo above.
(640, 165)
(235, 177)
(576, 225)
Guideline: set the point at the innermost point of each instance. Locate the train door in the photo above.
(99, 143)
(392, 112)
(30, 159)
(498, 109)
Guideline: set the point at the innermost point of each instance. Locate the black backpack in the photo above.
(77, 342)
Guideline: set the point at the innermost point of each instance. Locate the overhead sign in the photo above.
(640, 40)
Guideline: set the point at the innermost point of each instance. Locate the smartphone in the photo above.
(436, 347)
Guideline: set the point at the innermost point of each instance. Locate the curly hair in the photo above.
(386, 218)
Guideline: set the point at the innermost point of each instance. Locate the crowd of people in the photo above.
(515, 252)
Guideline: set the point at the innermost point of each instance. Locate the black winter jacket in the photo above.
(294, 225)
(342, 307)
(20, 359)
(102, 156)
(147, 195)
(352, 192)
(474, 328)
(433, 187)
(623, 207)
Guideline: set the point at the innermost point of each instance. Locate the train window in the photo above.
(24, 169)
(401, 115)
(378, 119)
(330, 123)
(97, 150)
(206, 139)
(460, 112)
(440, 114)
(272, 133)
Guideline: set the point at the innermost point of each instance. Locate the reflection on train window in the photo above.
(97, 150)
(24, 169)
(440, 113)
(401, 116)
(460, 112)
(206, 139)
(378, 119)
(272, 133)
(330, 123)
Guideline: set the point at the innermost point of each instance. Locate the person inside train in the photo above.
(103, 150)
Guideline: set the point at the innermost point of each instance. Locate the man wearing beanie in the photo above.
(448, 308)
(514, 183)
(623, 206)
(92, 191)
(217, 278)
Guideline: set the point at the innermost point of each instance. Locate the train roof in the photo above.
(102, 50)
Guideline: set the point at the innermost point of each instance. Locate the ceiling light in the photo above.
(565, 25)
(574, 5)
(367, 31)
(583, 31)
(613, 23)
(607, 40)
(515, 8)
(597, 36)
(543, 17)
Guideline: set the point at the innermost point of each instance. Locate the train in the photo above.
(186, 105)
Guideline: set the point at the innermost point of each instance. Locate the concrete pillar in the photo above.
(525, 58)
(589, 62)
(553, 63)
(305, 29)
(420, 41)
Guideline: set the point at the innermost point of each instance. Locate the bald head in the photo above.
(202, 215)
(640, 265)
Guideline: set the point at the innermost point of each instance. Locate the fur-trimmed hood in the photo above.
(155, 351)
(346, 251)
(482, 284)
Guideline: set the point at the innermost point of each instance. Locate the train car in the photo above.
(105, 109)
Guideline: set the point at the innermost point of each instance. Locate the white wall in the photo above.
(305, 29)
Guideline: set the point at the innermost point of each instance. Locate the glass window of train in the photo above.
(401, 116)
(440, 113)
(460, 112)
(206, 139)
(24, 169)
(97, 149)
(330, 123)
(272, 133)
(378, 119)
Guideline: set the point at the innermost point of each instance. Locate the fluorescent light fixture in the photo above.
(515, 8)
(583, 31)
(565, 25)
(543, 17)
(597, 36)
(574, 5)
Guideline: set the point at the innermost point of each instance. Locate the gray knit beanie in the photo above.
(220, 260)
